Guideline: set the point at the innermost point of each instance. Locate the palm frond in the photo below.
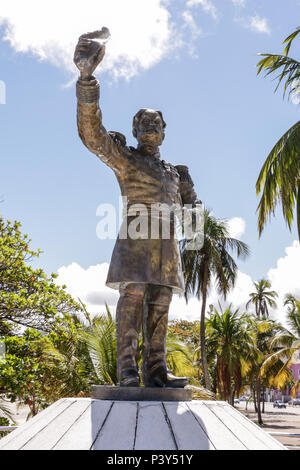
(288, 41)
(295, 389)
(282, 340)
(101, 342)
(6, 410)
(290, 70)
(200, 393)
(279, 178)
(179, 357)
(282, 354)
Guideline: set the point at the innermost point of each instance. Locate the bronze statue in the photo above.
(146, 271)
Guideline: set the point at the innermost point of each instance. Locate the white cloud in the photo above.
(238, 296)
(237, 227)
(141, 31)
(285, 278)
(190, 22)
(89, 285)
(179, 309)
(255, 23)
(259, 25)
(207, 6)
(195, 30)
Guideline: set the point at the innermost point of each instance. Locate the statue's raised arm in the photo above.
(88, 54)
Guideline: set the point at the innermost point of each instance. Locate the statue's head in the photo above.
(148, 127)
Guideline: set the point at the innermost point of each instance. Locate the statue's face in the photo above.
(149, 129)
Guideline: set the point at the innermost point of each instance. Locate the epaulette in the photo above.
(183, 171)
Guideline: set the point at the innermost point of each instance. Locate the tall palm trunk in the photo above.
(227, 384)
(202, 330)
(233, 395)
(254, 399)
(215, 384)
(258, 387)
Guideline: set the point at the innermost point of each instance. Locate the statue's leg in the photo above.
(128, 320)
(155, 323)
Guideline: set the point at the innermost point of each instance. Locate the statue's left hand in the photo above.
(89, 53)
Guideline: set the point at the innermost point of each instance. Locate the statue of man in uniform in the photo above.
(146, 271)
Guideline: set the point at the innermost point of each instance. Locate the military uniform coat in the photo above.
(143, 179)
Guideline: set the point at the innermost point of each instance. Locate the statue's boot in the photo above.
(128, 320)
(155, 323)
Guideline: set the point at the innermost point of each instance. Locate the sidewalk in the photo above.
(277, 420)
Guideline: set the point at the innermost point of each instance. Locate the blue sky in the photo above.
(195, 60)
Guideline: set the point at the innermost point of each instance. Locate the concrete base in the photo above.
(104, 392)
(83, 424)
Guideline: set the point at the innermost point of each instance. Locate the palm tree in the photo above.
(213, 260)
(293, 313)
(279, 179)
(101, 340)
(179, 357)
(259, 377)
(286, 345)
(230, 339)
(68, 370)
(262, 298)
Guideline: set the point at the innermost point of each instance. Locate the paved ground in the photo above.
(277, 420)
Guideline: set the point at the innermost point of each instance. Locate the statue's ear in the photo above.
(136, 118)
(161, 116)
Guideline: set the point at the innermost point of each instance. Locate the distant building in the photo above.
(272, 395)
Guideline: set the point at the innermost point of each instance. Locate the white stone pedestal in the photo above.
(84, 423)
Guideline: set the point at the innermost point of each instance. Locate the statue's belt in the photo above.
(157, 209)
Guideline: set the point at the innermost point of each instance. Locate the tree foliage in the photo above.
(285, 348)
(22, 371)
(186, 331)
(230, 340)
(28, 297)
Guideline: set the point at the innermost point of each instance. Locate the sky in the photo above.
(195, 60)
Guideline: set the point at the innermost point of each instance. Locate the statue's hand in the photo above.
(88, 53)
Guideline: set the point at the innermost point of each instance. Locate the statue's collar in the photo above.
(146, 153)
(154, 155)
